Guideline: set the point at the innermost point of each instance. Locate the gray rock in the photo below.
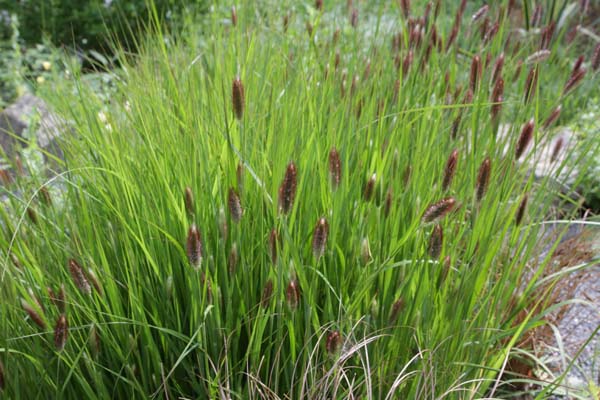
(16, 122)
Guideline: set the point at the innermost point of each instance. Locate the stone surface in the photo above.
(29, 114)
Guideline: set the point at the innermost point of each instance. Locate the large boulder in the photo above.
(29, 114)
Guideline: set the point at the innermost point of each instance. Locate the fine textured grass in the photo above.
(212, 244)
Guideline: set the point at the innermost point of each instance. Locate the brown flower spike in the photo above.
(194, 247)
(61, 332)
(33, 314)
(335, 168)
(79, 277)
(292, 294)
(436, 241)
(334, 342)
(439, 209)
(237, 98)
(521, 210)
(287, 190)
(370, 188)
(235, 206)
(483, 178)
(524, 138)
(320, 234)
(189, 201)
(273, 243)
(450, 170)
(267, 294)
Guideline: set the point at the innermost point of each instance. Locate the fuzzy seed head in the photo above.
(365, 251)
(558, 145)
(405, 6)
(273, 243)
(233, 259)
(596, 58)
(450, 170)
(237, 98)
(94, 340)
(552, 117)
(79, 277)
(538, 56)
(480, 13)
(234, 18)
(93, 278)
(287, 190)
(436, 242)
(320, 234)
(439, 209)
(334, 342)
(524, 138)
(32, 214)
(319, 5)
(521, 210)
(475, 72)
(388, 202)
(354, 18)
(370, 188)
(531, 83)
(483, 178)
(61, 332)
(292, 294)
(574, 80)
(46, 197)
(5, 177)
(397, 308)
(498, 66)
(335, 168)
(194, 247)
(267, 294)
(235, 206)
(33, 314)
(189, 201)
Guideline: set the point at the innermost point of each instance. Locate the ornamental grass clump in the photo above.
(380, 263)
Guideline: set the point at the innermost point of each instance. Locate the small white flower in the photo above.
(46, 65)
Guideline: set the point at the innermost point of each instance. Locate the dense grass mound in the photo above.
(334, 204)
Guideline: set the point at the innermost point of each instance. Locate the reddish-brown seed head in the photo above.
(335, 168)
(61, 332)
(79, 277)
(405, 6)
(287, 190)
(354, 18)
(388, 202)
(267, 294)
(521, 210)
(370, 188)
(235, 205)
(189, 201)
(233, 16)
(436, 242)
(286, 22)
(531, 83)
(33, 314)
(439, 209)
(273, 244)
(292, 294)
(574, 80)
(319, 5)
(237, 98)
(320, 235)
(558, 145)
(475, 72)
(194, 247)
(498, 66)
(480, 13)
(397, 308)
(450, 169)
(552, 117)
(483, 178)
(524, 138)
(596, 58)
(45, 196)
(2, 378)
(334, 342)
